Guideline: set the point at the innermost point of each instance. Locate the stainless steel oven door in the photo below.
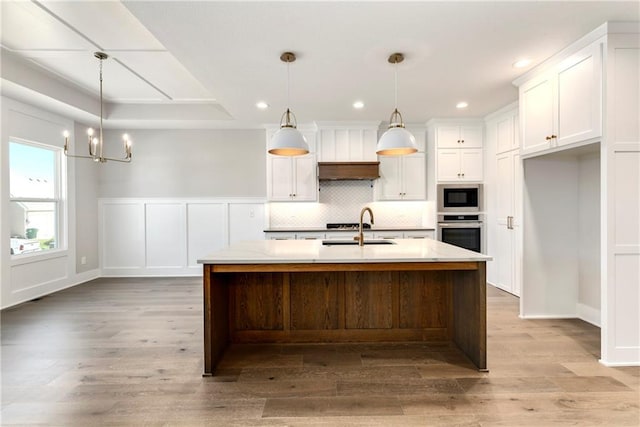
(467, 235)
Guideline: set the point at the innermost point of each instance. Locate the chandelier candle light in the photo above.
(96, 145)
(396, 141)
(288, 141)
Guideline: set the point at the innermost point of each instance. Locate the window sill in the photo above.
(38, 256)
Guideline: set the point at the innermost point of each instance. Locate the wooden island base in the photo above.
(366, 302)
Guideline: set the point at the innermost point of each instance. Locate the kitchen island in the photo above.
(296, 291)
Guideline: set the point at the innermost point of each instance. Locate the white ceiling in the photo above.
(207, 63)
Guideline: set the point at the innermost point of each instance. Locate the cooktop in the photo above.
(346, 226)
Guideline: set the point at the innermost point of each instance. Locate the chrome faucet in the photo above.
(360, 236)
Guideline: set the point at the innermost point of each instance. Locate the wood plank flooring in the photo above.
(128, 352)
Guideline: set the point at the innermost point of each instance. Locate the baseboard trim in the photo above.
(619, 364)
(589, 314)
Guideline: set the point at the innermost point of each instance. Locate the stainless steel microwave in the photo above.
(459, 197)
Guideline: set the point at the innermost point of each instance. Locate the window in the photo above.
(35, 197)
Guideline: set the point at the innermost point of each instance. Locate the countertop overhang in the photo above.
(313, 251)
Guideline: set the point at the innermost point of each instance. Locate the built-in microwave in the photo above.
(459, 197)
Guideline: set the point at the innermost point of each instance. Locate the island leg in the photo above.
(470, 314)
(216, 318)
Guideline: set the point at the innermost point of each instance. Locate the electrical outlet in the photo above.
(83, 260)
(252, 213)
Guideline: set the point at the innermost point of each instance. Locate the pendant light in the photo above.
(96, 144)
(288, 141)
(396, 141)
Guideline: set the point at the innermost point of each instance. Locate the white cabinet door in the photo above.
(419, 235)
(536, 114)
(280, 175)
(387, 235)
(389, 184)
(470, 137)
(579, 97)
(448, 136)
(414, 184)
(448, 164)
(310, 235)
(471, 164)
(305, 182)
(506, 136)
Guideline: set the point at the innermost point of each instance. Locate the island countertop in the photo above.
(313, 251)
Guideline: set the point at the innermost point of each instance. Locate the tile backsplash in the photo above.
(341, 201)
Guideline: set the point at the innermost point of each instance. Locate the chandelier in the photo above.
(96, 144)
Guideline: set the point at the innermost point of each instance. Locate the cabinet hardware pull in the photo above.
(463, 141)
(554, 136)
(547, 138)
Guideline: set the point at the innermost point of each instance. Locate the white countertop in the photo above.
(312, 251)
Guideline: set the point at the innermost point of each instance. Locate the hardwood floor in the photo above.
(129, 352)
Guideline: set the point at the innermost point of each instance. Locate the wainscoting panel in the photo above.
(206, 229)
(166, 237)
(165, 232)
(123, 242)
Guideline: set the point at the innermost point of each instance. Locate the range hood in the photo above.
(348, 171)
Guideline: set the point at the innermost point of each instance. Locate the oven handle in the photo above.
(460, 225)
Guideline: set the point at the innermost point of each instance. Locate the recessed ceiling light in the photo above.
(462, 105)
(358, 105)
(521, 63)
(262, 105)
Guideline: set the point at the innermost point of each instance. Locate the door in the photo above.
(448, 136)
(504, 211)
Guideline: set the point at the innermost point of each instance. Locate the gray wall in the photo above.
(87, 173)
(589, 230)
(187, 163)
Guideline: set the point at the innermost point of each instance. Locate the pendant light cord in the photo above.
(100, 142)
(288, 86)
(396, 84)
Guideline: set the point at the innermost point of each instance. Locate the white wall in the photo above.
(30, 276)
(589, 237)
(187, 163)
(87, 173)
(550, 212)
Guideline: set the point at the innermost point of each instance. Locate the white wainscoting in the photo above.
(166, 237)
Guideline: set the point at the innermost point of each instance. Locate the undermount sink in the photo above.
(355, 242)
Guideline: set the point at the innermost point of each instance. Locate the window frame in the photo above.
(59, 199)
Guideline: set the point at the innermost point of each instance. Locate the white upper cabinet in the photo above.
(402, 177)
(459, 152)
(346, 143)
(563, 105)
(293, 179)
(459, 136)
(460, 165)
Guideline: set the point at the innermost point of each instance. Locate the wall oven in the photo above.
(459, 197)
(465, 231)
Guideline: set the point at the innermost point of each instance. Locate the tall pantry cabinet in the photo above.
(504, 199)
